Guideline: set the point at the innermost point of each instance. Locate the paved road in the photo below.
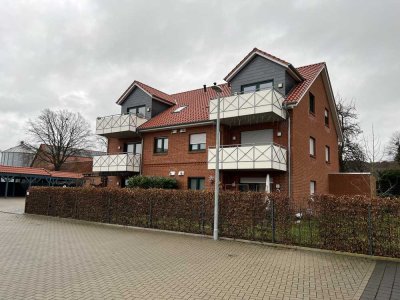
(50, 258)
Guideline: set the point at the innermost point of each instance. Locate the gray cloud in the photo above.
(82, 55)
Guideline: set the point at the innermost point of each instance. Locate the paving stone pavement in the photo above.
(50, 258)
(384, 282)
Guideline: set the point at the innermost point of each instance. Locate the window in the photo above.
(196, 183)
(137, 110)
(327, 154)
(197, 142)
(313, 187)
(312, 146)
(312, 104)
(326, 115)
(135, 148)
(161, 145)
(179, 109)
(249, 88)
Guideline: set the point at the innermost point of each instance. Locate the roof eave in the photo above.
(174, 126)
(249, 57)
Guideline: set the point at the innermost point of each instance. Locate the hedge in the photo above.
(347, 223)
(148, 182)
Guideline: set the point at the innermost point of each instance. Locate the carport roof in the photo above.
(28, 171)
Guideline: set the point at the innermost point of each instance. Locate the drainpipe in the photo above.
(141, 159)
(289, 152)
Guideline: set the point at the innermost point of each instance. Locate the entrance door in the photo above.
(264, 136)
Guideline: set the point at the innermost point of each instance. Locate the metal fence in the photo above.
(351, 224)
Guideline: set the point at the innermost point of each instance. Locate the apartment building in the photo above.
(279, 131)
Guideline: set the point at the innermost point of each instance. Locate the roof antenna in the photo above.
(204, 88)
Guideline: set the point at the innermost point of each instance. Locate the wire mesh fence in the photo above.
(348, 223)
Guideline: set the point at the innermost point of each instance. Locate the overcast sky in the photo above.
(81, 55)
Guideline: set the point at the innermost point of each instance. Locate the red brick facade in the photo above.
(302, 167)
(194, 164)
(303, 126)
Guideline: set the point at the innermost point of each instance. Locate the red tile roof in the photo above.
(23, 170)
(38, 172)
(152, 91)
(309, 73)
(156, 93)
(62, 174)
(197, 101)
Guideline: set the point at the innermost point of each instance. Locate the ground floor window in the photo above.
(196, 183)
(313, 187)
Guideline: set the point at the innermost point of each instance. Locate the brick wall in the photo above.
(194, 164)
(304, 125)
(352, 184)
(178, 158)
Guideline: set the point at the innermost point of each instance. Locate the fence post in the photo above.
(202, 214)
(150, 221)
(48, 204)
(109, 208)
(273, 219)
(370, 240)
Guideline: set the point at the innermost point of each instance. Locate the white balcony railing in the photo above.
(248, 157)
(118, 123)
(123, 162)
(268, 101)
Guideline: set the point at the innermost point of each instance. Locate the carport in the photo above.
(17, 180)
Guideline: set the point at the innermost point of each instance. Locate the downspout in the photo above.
(141, 158)
(289, 151)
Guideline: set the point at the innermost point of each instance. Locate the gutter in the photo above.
(176, 126)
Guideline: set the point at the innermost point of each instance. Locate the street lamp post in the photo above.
(218, 90)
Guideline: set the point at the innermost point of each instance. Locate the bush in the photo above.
(347, 223)
(388, 183)
(149, 182)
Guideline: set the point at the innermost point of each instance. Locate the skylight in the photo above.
(179, 109)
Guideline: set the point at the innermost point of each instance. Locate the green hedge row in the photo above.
(347, 223)
(155, 182)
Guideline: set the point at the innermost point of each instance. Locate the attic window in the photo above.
(179, 109)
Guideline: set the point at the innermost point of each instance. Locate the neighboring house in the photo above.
(279, 131)
(18, 156)
(81, 162)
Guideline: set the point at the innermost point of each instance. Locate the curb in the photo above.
(282, 246)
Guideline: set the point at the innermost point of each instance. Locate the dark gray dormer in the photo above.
(260, 69)
(139, 98)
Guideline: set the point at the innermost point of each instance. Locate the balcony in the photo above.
(256, 107)
(122, 162)
(249, 157)
(118, 125)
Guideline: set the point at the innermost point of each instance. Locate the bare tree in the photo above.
(62, 133)
(373, 150)
(101, 143)
(393, 148)
(351, 155)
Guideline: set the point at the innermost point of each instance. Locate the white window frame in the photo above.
(312, 146)
(313, 187)
(327, 154)
(197, 141)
